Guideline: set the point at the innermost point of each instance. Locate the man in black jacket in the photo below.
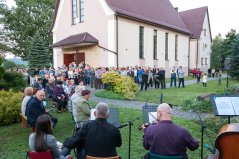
(35, 108)
(98, 137)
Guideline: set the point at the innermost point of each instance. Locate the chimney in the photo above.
(176, 8)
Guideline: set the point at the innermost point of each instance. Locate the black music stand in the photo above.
(227, 106)
(145, 111)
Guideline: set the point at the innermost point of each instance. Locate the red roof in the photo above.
(157, 12)
(83, 38)
(194, 19)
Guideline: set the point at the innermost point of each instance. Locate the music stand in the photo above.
(227, 106)
(113, 116)
(145, 111)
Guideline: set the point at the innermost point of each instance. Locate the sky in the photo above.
(223, 14)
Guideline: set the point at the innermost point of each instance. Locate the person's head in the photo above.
(43, 127)
(164, 112)
(85, 94)
(101, 110)
(28, 91)
(59, 83)
(78, 89)
(40, 95)
(81, 83)
(51, 80)
(39, 80)
(72, 82)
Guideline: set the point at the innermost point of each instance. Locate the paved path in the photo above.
(138, 105)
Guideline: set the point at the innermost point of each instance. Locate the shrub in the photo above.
(15, 80)
(10, 105)
(195, 104)
(120, 84)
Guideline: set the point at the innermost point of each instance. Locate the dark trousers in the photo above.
(150, 82)
(144, 84)
(198, 79)
(161, 83)
(173, 80)
(61, 103)
(98, 83)
(204, 84)
(156, 84)
(181, 80)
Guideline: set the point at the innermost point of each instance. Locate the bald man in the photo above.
(35, 108)
(167, 139)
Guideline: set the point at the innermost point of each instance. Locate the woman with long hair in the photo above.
(43, 138)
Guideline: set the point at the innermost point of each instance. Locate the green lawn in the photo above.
(14, 139)
(172, 95)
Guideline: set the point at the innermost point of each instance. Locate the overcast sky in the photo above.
(223, 14)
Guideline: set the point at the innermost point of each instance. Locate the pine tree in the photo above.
(234, 72)
(1, 68)
(39, 56)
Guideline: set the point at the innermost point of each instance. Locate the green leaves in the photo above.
(10, 105)
(120, 84)
(23, 21)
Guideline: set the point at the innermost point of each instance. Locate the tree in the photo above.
(38, 56)
(234, 72)
(22, 22)
(217, 55)
(1, 68)
(9, 65)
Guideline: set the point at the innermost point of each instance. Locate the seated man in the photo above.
(165, 138)
(35, 108)
(98, 137)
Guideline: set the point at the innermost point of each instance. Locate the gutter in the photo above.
(197, 55)
(188, 55)
(117, 41)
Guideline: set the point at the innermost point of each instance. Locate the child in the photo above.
(204, 80)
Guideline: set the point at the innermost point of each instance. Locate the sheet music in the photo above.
(152, 116)
(224, 106)
(235, 103)
(92, 116)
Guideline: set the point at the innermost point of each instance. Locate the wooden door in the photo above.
(68, 58)
(79, 57)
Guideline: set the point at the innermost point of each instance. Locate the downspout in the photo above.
(117, 42)
(197, 55)
(188, 55)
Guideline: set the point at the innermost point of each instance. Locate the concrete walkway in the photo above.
(138, 105)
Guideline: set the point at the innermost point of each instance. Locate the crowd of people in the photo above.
(98, 138)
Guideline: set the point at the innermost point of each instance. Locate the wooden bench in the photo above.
(24, 121)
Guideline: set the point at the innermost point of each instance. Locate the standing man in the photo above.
(173, 76)
(181, 73)
(165, 138)
(98, 137)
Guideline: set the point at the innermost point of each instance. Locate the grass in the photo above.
(172, 95)
(14, 139)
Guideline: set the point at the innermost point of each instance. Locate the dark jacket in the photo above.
(34, 110)
(100, 138)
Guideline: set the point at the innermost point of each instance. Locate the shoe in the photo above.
(58, 111)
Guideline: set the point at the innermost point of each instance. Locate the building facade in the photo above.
(121, 33)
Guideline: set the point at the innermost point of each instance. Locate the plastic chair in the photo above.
(40, 155)
(90, 157)
(155, 156)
